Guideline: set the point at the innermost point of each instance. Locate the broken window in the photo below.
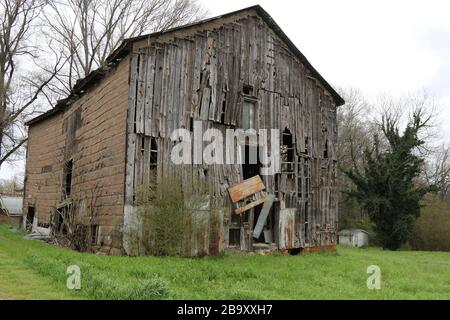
(247, 90)
(46, 169)
(30, 218)
(235, 237)
(153, 160)
(73, 122)
(251, 165)
(287, 154)
(306, 145)
(248, 114)
(224, 105)
(94, 234)
(325, 150)
(191, 124)
(68, 169)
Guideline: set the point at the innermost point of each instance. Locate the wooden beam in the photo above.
(263, 215)
(249, 206)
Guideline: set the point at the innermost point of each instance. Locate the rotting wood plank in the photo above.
(263, 215)
(246, 188)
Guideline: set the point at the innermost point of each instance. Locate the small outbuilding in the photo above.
(11, 206)
(354, 237)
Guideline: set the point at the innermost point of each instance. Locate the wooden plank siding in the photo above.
(199, 75)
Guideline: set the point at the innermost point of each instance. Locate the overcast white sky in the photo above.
(394, 47)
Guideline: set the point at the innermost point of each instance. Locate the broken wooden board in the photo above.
(246, 188)
(263, 215)
(253, 204)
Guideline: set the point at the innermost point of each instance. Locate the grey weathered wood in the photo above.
(200, 75)
(263, 216)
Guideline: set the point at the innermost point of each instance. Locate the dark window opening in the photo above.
(224, 105)
(235, 218)
(153, 165)
(46, 169)
(142, 145)
(191, 124)
(251, 163)
(30, 218)
(325, 151)
(287, 154)
(68, 177)
(306, 145)
(94, 234)
(235, 237)
(247, 90)
(153, 154)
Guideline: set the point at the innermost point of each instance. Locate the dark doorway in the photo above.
(30, 218)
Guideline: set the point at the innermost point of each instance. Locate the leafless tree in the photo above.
(355, 132)
(401, 110)
(437, 170)
(88, 31)
(20, 86)
(355, 129)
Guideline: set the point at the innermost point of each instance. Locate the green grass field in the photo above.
(35, 270)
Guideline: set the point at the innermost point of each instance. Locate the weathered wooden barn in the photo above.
(87, 156)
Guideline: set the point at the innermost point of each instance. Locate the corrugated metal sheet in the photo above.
(287, 228)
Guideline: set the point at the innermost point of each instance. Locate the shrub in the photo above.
(170, 215)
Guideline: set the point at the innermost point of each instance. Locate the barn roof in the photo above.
(125, 48)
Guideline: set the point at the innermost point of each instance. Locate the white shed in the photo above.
(354, 237)
(12, 206)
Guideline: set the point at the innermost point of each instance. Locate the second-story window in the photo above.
(248, 114)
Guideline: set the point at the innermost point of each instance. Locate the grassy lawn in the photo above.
(35, 270)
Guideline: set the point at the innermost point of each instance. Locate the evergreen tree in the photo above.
(385, 187)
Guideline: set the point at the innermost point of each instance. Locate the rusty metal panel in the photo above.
(286, 228)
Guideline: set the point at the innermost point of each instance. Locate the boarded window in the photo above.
(73, 122)
(248, 114)
(94, 234)
(153, 160)
(46, 169)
